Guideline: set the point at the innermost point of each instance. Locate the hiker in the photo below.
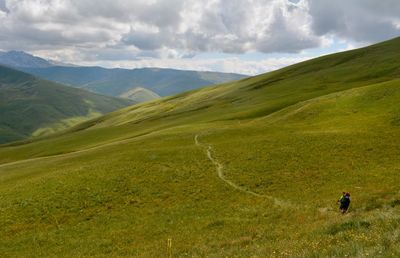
(344, 202)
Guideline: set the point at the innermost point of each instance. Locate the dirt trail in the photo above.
(220, 168)
(220, 172)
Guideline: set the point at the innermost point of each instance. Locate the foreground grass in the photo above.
(124, 184)
(129, 198)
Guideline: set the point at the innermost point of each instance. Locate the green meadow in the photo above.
(274, 153)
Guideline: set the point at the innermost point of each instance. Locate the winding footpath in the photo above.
(220, 172)
(220, 169)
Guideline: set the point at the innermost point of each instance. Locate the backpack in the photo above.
(345, 200)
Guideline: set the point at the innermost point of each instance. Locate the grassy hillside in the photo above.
(250, 168)
(139, 95)
(114, 82)
(30, 106)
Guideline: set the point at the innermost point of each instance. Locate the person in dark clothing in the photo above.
(344, 202)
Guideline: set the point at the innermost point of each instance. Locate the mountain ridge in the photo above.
(115, 81)
(22, 59)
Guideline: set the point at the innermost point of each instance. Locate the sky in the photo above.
(240, 36)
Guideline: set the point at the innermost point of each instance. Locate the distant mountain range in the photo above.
(116, 82)
(30, 106)
(20, 59)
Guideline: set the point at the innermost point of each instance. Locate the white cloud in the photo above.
(232, 26)
(396, 23)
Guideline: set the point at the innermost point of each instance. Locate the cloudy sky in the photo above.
(243, 36)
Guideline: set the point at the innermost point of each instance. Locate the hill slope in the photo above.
(139, 95)
(30, 106)
(249, 168)
(115, 82)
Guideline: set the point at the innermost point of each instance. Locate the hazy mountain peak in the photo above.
(15, 58)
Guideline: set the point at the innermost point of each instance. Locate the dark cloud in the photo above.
(358, 20)
(160, 13)
(3, 6)
(144, 40)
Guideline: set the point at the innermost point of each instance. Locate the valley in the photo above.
(252, 167)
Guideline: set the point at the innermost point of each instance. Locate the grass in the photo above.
(64, 124)
(123, 184)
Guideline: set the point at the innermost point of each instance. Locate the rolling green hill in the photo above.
(33, 107)
(248, 168)
(139, 95)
